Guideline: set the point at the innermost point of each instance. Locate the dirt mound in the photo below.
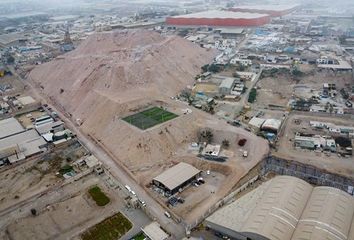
(112, 75)
(121, 66)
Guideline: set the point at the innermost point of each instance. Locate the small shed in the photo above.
(154, 232)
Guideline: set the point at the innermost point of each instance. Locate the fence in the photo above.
(306, 172)
(310, 174)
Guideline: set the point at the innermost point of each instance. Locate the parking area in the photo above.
(195, 193)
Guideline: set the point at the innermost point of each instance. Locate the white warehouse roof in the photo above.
(288, 208)
(27, 100)
(222, 15)
(177, 175)
(272, 124)
(10, 126)
(227, 83)
(154, 232)
(256, 122)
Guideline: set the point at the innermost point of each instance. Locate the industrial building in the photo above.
(287, 208)
(16, 143)
(176, 177)
(226, 86)
(315, 142)
(52, 127)
(272, 10)
(271, 125)
(219, 18)
(339, 66)
(268, 125)
(12, 39)
(231, 32)
(10, 127)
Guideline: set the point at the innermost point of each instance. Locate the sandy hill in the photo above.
(122, 66)
(112, 75)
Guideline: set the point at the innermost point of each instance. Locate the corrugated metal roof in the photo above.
(272, 124)
(176, 175)
(280, 208)
(222, 15)
(10, 126)
(328, 215)
(231, 30)
(154, 232)
(288, 208)
(227, 83)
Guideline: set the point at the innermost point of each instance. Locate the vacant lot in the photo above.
(149, 118)
(109, 229)
(320, 159)
(19, 182)
(98, 196)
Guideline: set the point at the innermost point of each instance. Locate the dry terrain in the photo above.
(114, 75)
(331, 162)
(20, 182)
(61, 214)
(278, 89)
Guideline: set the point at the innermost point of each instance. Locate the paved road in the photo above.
(176, 230)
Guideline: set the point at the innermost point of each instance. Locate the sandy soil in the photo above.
(30, 178)
(279, 89)
(17, 86)
(332, 163)
(64, 213)
(113, 75)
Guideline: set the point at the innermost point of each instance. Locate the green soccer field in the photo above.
(150, 117)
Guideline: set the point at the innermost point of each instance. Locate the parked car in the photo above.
(245, 154)
(167, 215)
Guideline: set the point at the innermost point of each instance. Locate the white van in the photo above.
(245, 154)
(128, 188)
(167, 215)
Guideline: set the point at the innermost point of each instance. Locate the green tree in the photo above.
(225, 143)
(205, 135)
(214, 68)
(205, 67)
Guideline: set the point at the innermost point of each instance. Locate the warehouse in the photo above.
(22, 145)
(226, 86)
(9, 127)
(176, 177)
(12, 39)
(287, 208)
(272, 10)
(219, 18)
(231, 32)
(271, 125)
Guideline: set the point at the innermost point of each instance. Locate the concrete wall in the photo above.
(310, 174)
